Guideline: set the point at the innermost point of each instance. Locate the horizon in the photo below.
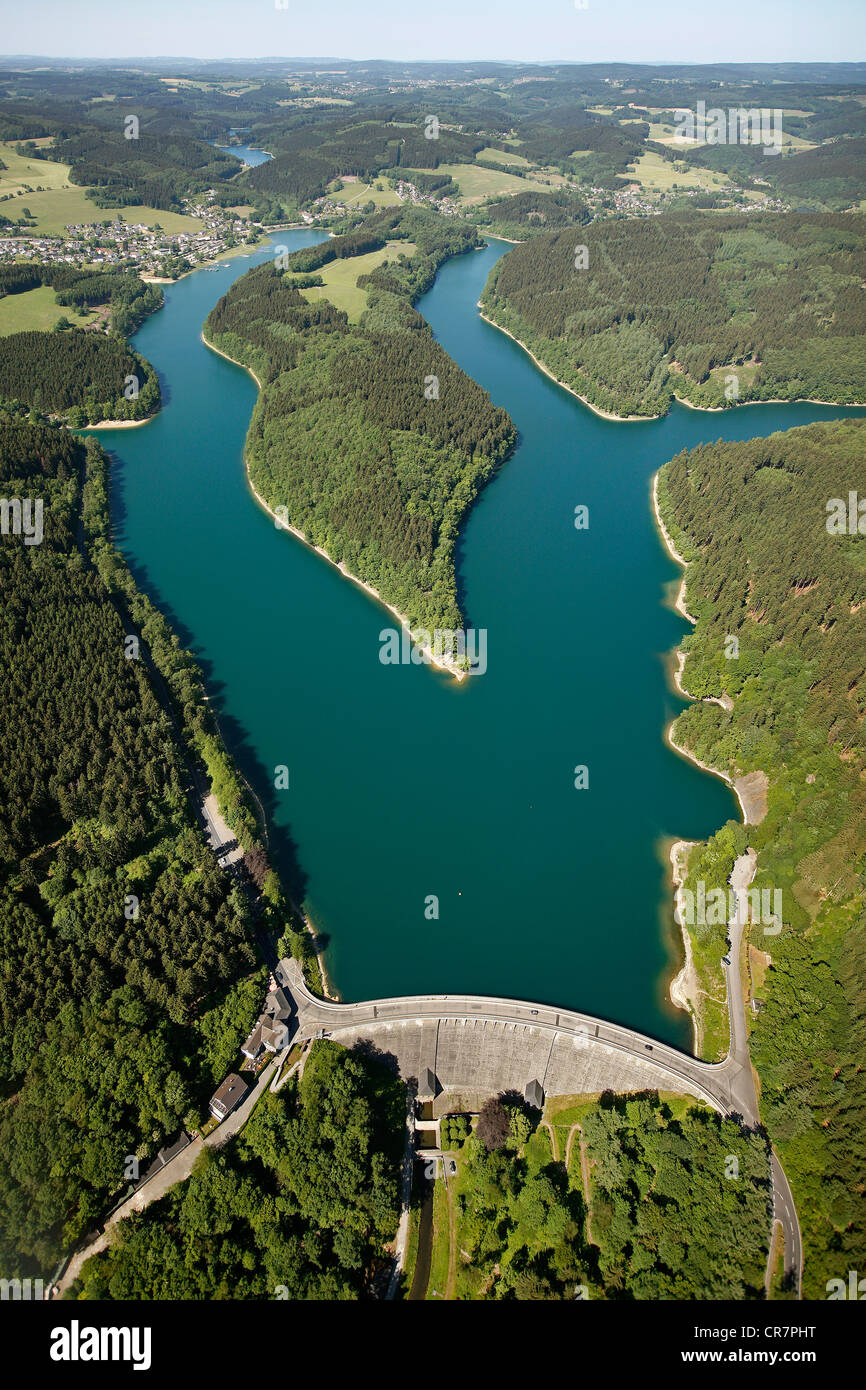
(780, 31)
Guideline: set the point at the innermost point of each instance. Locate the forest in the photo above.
(751, 520)
(523, 215)
(714, 311)
(120, 935)
(81, 373)
(299, 1206)
(85, 375)
(154, 168)
(620, 1197)
(348, 434)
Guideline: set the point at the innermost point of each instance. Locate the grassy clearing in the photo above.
(656, 175)
(441, 1256)
(341, 278)
(21, 171)
(502, 156)
(369, 193)
(477, 183)
(35, 309)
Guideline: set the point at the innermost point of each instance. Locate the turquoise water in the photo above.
(402, 783)
(249, 156)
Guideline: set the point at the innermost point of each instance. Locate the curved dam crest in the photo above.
(403, 783)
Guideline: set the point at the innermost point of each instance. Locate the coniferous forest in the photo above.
(752, 521)
(120, 935)
(631, 313)
(368, 434)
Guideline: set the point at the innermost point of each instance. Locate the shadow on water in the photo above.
(282, 849)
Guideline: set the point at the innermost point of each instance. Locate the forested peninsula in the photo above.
(630, 314)
(367, 433)
(777, 584)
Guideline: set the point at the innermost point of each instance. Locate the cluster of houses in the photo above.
(270, 1033)
(135, 245)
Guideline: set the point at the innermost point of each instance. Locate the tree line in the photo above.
(751, 519)
(675, 304)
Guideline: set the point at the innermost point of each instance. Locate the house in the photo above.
(277, 1003)
(230, 1094)
(427, 1085)
(253, 1045)
(271, 1030)
(275, 1036)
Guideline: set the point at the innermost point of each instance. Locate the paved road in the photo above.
(176, 1170)
(728, 1086)
(785, 1212)
(717, 1083)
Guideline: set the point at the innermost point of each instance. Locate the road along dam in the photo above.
(474, 1047)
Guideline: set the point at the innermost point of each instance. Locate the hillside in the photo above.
(750, 518)
(711, 310)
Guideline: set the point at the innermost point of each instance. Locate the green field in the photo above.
(368, 193)
(35, 309)
(62, 202)
(341, 278)
(656, 175)
(477, 183)
(21, 171)
(502, 156)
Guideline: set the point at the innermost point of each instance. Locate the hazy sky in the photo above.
(625, 30)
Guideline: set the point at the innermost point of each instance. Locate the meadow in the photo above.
(62, 203)
(35, 309)
(341, 278)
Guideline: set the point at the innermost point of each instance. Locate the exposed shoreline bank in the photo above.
(121, 424)
(750, 790)
(681, 400)
(684, 988)
(596, 410)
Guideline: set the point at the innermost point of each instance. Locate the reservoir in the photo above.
(403, 784)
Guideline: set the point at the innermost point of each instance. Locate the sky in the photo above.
(689, 31)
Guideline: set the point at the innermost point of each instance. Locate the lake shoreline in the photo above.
(750, 790)
(340, 565)
(684, 990)
(681, 400)
(596, 410)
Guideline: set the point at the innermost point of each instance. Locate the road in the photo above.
(177, 1170)
(784, 1209)
(729, 1086)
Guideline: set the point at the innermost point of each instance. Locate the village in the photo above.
(150, 250)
